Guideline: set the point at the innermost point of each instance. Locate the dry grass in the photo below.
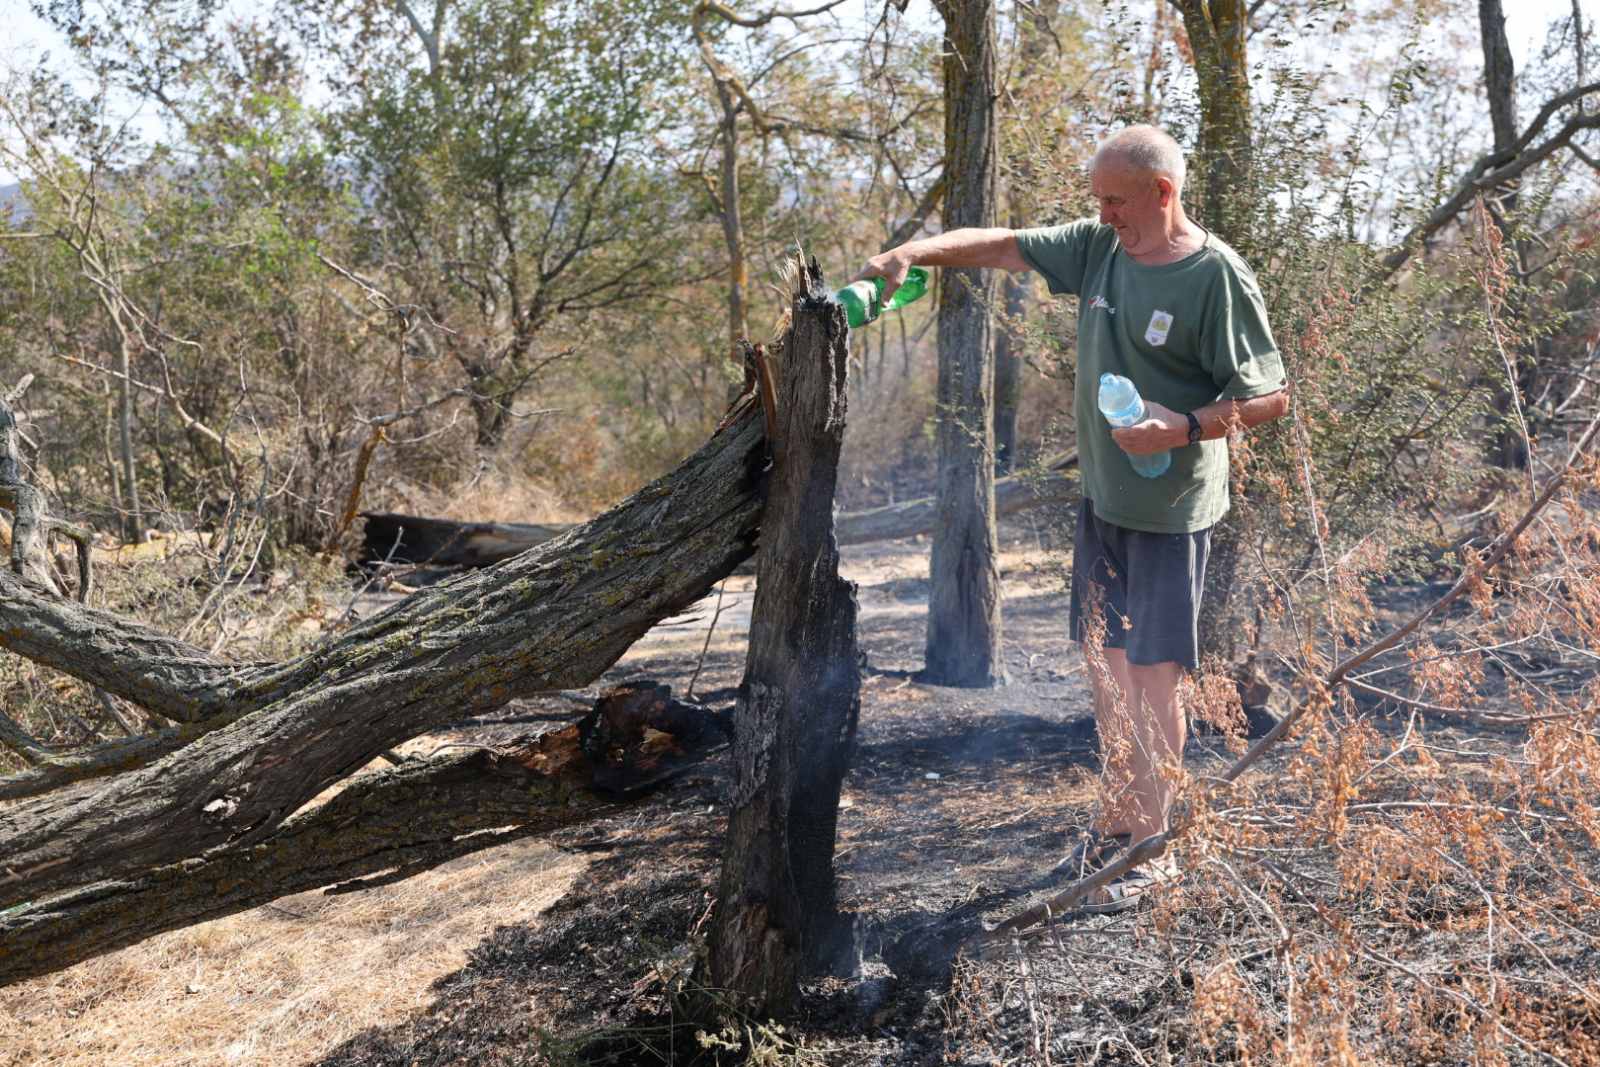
(284, 982)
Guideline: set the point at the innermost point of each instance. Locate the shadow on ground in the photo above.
(928, 838)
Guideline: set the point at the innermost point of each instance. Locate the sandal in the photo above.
(1127, 890)
(1093, 851)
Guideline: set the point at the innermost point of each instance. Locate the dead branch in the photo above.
(400, 821)
(1495, 169)
(163, 391)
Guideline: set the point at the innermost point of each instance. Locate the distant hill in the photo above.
(11, 197)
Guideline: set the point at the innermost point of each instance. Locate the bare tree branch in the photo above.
(1495, 169)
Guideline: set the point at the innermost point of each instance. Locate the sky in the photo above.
(30, 36)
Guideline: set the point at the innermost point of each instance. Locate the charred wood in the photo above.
(445, 543)
(795, 721)
(413, 539)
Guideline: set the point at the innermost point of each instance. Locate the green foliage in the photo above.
(512, 208)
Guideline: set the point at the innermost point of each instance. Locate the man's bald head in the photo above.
(1144, 150)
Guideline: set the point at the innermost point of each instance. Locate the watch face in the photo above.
(1194, 429)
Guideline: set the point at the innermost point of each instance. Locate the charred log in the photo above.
(795, 721)
(390, 537)
(396, 538)
(391, 824)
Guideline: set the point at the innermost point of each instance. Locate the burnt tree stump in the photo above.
(795, 721)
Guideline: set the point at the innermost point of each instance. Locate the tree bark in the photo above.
(732, 222)
(1499, 74)
(1008, 369)
(553, 618)
(1217, 32)
(1035, 33)
(396, 823)
(963, 642)
(133, 521)
(795, 722)
(1500, 87)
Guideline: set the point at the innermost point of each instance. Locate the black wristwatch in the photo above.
(1194, 427)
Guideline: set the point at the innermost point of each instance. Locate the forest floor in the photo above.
(570, 949)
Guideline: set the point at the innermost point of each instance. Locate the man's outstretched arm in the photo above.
(971, 247)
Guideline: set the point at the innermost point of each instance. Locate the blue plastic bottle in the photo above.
(1122, 405)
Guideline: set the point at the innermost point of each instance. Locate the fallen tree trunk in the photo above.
(553, 618)
(397, 538)
(396, 823)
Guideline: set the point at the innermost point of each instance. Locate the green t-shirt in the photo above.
(1186, 333)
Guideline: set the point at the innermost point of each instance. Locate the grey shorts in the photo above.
(1150, 585)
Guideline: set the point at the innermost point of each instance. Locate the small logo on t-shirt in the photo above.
(1100, 302)
(1156, 332)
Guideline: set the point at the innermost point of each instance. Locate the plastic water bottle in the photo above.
(1122, 405)
(863, 300)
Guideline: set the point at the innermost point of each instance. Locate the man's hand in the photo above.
(1162, 429)
(994, 248)
(886, 265)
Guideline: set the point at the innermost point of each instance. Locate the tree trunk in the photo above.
(395, 823)
(963, 644)
(1499, 74)
(1500, 86)
(133, 518)
(1035, 32)
(795, 723)
(553, 618)
(732, 222)
(1217, 33)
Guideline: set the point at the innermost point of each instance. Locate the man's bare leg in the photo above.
(1142, 729)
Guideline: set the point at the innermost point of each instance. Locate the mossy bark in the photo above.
(1218, 31)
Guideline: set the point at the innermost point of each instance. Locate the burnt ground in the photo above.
(958, 804)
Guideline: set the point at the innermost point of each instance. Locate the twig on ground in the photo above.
(688, 693)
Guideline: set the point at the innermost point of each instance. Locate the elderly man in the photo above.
(1167, 304)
